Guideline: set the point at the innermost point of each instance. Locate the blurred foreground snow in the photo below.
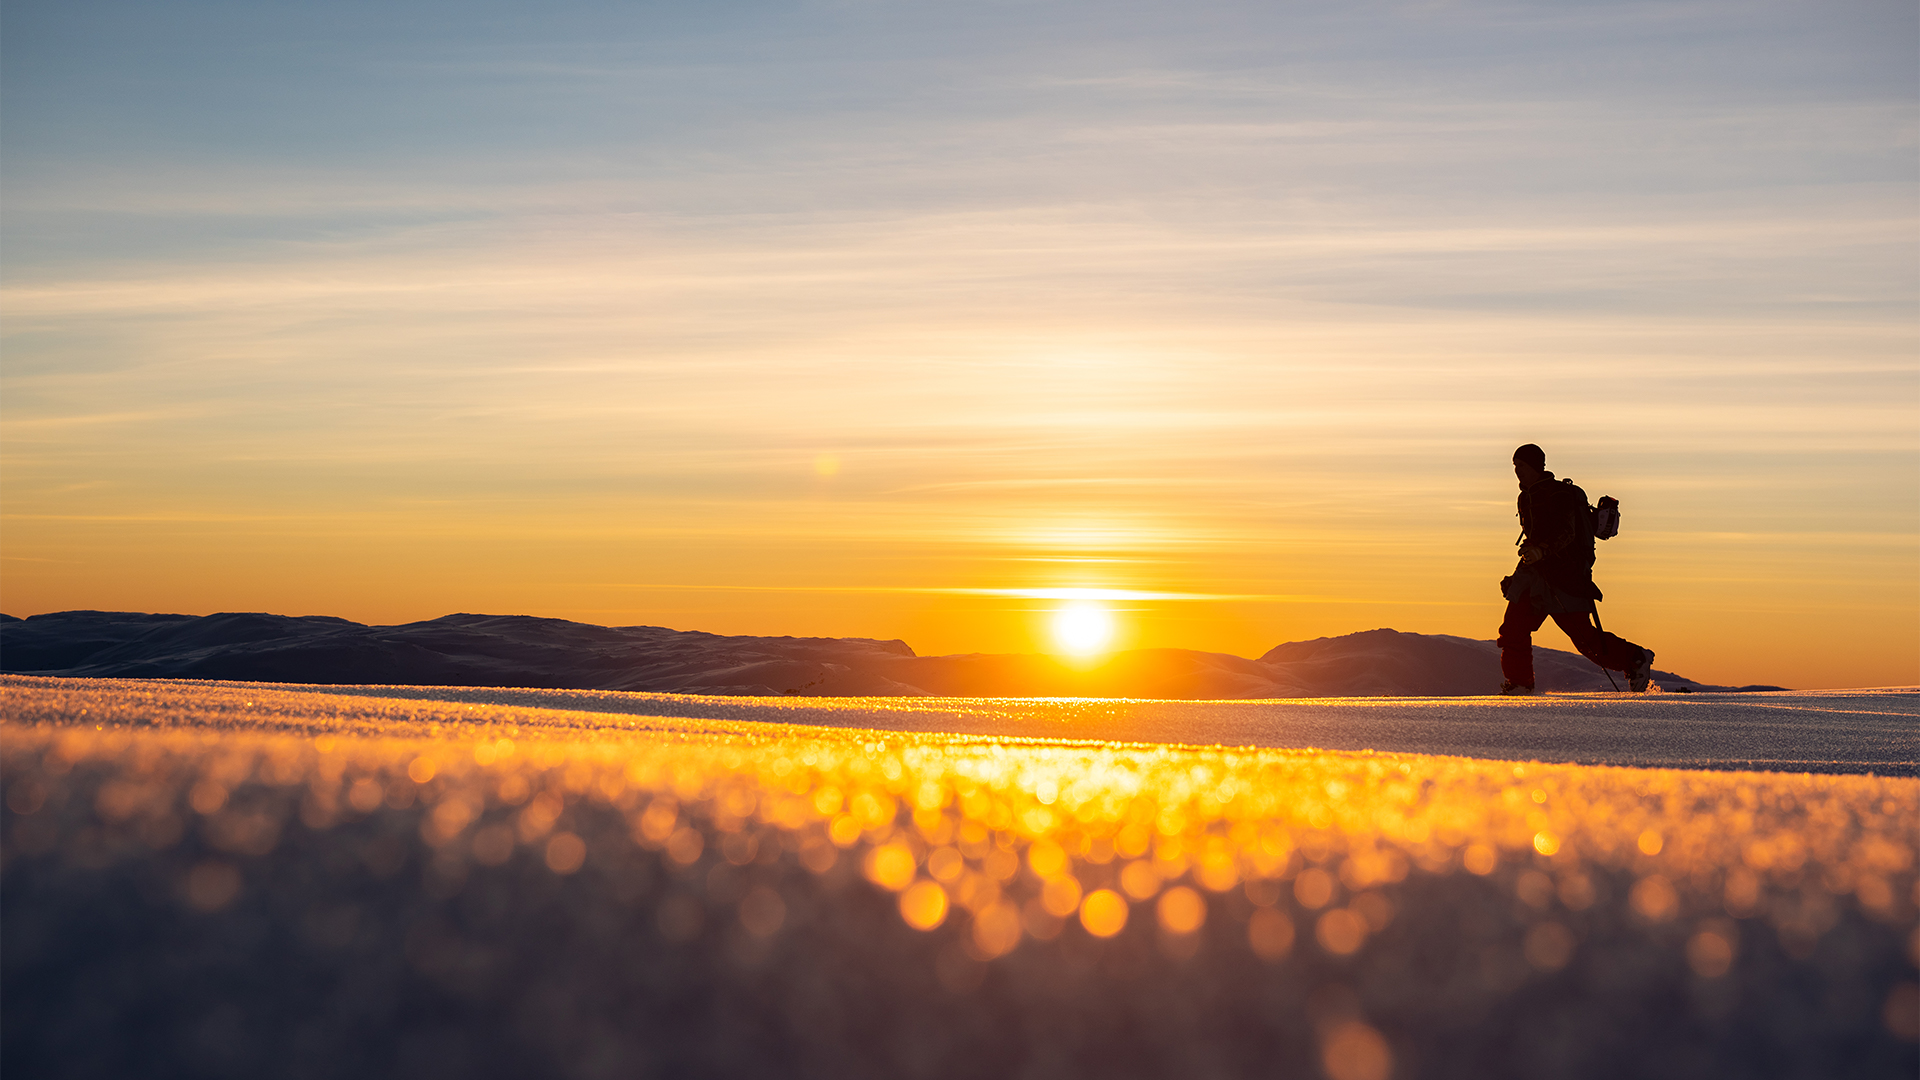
(252, 881)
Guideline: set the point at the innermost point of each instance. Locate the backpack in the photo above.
(1606, 518)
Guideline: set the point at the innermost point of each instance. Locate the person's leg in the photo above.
(1608, 650)
(1516, 641)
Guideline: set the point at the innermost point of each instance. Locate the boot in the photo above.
(1640, 675)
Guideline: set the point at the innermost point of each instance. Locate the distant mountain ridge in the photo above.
(526, 651)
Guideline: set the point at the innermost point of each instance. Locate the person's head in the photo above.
(1529, 465)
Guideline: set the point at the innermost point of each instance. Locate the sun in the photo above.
(1083, 629)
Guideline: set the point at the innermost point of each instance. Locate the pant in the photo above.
(1523, 618)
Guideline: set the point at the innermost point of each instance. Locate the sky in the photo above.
(906, 320)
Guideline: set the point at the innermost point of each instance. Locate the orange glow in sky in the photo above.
(1138, 312)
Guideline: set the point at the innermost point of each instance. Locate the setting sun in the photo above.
(1083, 629)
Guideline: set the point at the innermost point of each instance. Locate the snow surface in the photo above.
(253, 880)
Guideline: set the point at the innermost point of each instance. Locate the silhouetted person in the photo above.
(1555, 577)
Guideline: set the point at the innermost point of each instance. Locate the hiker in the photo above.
(1555, 578)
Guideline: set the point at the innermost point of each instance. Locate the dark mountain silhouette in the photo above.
(523, 651)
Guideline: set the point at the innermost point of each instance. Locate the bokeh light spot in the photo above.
(1046, 858)
(1313, 888)
(685, 845)
(1139, 879)
(890, 866)
(1270, 933)
(1341, 932)
(1355, 1051)
(1103, 913)
(1710, 951)
(996, 930)
(946, 864)
(1480, 859)
(1549, 946)
(1060, 896)
(924, 905)
(1654, 899)
(1182, 910)
(565, 853)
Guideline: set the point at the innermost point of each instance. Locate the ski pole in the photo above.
(1602, 629)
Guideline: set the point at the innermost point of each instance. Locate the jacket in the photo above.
(1555, 517)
